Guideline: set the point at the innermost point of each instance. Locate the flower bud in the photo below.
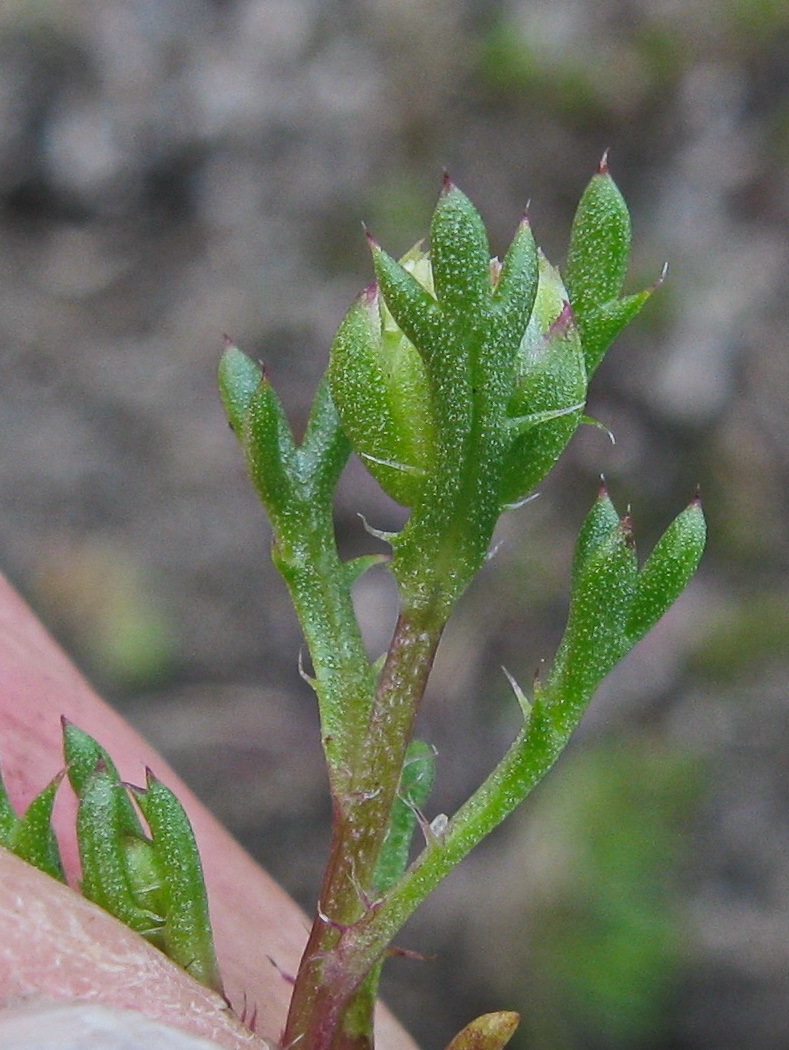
(379, 385)
(550, 388)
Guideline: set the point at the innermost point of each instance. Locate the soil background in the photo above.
(172, 170)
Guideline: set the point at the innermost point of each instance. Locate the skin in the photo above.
(54, 945)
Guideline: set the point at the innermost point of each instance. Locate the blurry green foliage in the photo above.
(604, 941)
(757, 20)
(743, 635)
(562, 76)
(98, 597)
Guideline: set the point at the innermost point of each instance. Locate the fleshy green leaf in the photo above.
(600, 325)
(324, 450)
(239, 378)
(600, 602)
(597, 264)
(667, 570)
(271, 451)
(414, 310)
(515, 287)
(380, 386)
(33, 838)
(599, 252)
(82, 754)
(100, 837)
(187, 932)
(460, 253)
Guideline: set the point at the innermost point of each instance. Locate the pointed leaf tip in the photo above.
(602, 167)
(447, 185)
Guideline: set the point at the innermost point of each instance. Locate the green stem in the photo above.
(344, 680)
(529, 758)
(324, 988)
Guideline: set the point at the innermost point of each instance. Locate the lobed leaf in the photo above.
(600, 602)
(600, 325)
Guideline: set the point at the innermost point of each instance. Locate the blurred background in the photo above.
(171, 170)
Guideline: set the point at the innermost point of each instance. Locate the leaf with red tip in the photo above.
(667, 570)
(597, 263)
(239, 378)
(460, 253)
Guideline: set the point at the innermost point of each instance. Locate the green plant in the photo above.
(458, 380)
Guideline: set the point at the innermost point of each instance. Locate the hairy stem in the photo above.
(324, 989)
